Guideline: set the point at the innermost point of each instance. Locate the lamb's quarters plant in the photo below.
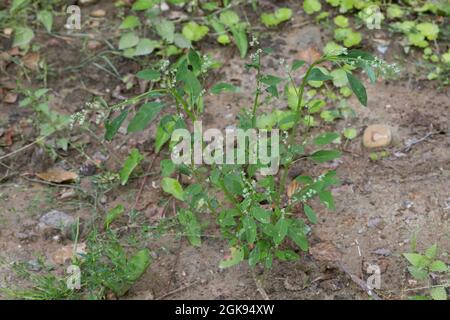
(428, 268)
(261, 216)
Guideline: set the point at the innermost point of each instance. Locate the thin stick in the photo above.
(23, 148)
(177, 290)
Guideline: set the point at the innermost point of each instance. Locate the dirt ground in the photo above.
(379, 206)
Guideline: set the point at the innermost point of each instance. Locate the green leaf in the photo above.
(113, 127)
(130, 22)
(417, 273)
(113, 214)
(195, 61)
(297, 65)
(194, 32)
(312, 6)
(281, 230)
(327, 198)
(140, 5)
(358, 89)
(17, 4)
(229, 18)
(221, 87)
(163, 132)
(341, 21)
(223, 39)
(46, 18)
(255, 255)
(261, 214)
(322, 156)
(339, 78)
(326, 138)
(181, 41)
(283, 14)
(299, 237)
(167, 167)
(431, 252)
(166, 30)
(173, 187)
(240, 37)
(249, 226)
(233, 184)
(417, 260)
(438, 266)
(146, 114)
(237, 255)
(135, 268)
(149, 74)
(428, 30)
(310, 213)
(128, 40)
(274, 19)
(22, 36)
(286, 255)
(138, 264)
(130, 164)
(144, 47)
(191, 225)
(438, 293)
(350, 133)
(271, 80)
(317, 75)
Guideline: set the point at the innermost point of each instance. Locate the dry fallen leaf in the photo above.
(292, 188)
(31, 61)
(309, 55)
(57, 176)
(325, 251)
(10, 98)
(66, 253)
(9, 135)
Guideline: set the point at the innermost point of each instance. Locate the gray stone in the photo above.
(382, 252)
(56, 220)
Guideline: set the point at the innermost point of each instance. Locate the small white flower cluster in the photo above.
(78, 118)
(255, 56)
(338, 52)
(308, 195)
(206, 63)
(164, 66)
(385, 68)
(249, 188)
(284, 137)
(254, 42)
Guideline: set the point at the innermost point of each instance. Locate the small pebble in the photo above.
(376, 136)
(98, 13)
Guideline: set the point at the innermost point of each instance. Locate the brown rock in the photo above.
(31, 61)
(94, 45)
(86, 2)
(8, 32)
(376, 136)
(99, 13)
(10, 97)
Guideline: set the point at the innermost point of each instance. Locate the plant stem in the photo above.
(292, 136)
